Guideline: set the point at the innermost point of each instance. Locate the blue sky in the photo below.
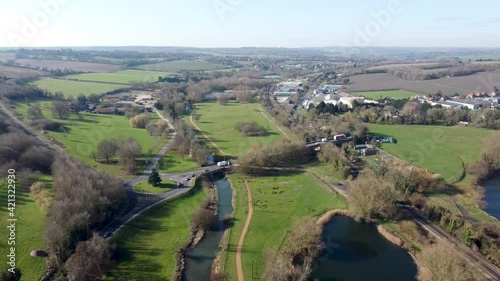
(250, 23)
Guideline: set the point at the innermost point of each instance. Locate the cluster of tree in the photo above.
(251, 129)
(22, 152)
(38, 120)
(318, 127)
(200, 152)
(295, 261)
(416, 113)
(160, 128)
(171, 79)
(183, 138)
(334, 157)
(412, 72)
(84, 199)
(258, 158)
(375, 192)
(204, 217)
(442, 261)
(91, 260)
(127, 150)
(172, 100)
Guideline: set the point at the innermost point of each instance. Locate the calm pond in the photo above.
(199, 260)
(356, 251)
(492, 198)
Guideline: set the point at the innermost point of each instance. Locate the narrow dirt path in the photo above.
(205, 136)
(239, 267)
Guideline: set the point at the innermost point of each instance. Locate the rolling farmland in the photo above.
(73, 65)
(382, 94)
(462, 85)
(74, 88)
(178, 65)
(121, 77)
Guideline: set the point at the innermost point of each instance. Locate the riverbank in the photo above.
(197, 233)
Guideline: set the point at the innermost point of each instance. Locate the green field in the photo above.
(82, 136)
(30, 227)
(218, 123)
(399, 94)
(121, 77)
(439, 149)
(149, 244)
(74, 88)
(173, 163)
(277, 202)
(145, 187)
(178, 65)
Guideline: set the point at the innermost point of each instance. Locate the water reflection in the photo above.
(356, 251)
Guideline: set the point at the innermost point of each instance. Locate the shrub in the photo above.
(251, 129)
(139, 121)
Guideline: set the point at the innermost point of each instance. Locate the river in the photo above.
(199, 259)
(492, 196)
(356, 251)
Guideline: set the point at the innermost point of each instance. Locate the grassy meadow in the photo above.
(398, 94)
(173, 163)
(74, 88)
(178, 65)
(82, 136)
(218, 123)
(30, 227)
(277, 202)
(121, 77)
(442, 150)
(147, 246)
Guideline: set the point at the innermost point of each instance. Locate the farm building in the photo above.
(105, 111)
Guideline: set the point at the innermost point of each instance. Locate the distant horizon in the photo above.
(258, 23)
(248, 47)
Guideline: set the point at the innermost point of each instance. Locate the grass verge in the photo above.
(148, 246)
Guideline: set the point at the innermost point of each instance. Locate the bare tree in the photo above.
(60, 109)
(442, 262)
(369, 195)
(222, 99)
(35, 112)
(200, 152)
(107, 149)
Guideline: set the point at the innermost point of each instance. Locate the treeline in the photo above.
(411, 72)
(315, 127)
(84, 199)
(284, 153)
(416, 113)
(186, 144)
(21, 152)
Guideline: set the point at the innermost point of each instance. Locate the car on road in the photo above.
(186, 179)
(206, 171)
(106, 234)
